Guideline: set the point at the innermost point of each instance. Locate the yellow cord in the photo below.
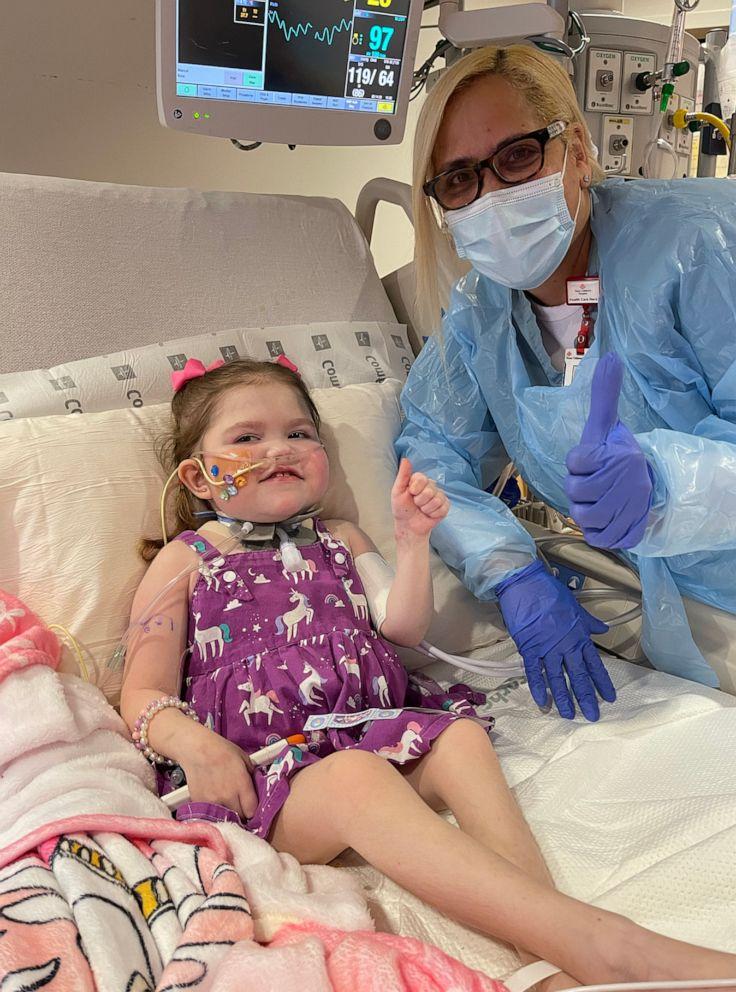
(681, 118)
(163, 504)
(717, 123)
(84, 671)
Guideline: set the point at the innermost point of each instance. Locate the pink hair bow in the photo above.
(283, 360)
(194, 369)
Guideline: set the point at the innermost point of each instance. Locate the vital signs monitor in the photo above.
(250, 69)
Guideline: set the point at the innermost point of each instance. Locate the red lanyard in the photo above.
(583, 292)
(582, 341)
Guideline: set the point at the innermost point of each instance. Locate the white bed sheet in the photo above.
(636, 813)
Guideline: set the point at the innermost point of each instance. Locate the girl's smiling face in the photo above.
(264, 424)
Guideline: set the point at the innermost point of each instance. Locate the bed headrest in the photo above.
(90, 268)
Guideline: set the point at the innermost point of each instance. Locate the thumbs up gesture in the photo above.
(417, 503)
(610, 483)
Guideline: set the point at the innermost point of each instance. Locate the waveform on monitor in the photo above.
(324, 35)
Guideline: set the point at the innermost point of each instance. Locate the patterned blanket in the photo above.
(101, 891)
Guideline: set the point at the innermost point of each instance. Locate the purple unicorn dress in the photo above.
(269, 648)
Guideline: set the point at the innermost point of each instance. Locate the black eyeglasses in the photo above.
(516, 161)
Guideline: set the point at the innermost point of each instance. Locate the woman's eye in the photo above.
(526, 155)
(520, 154)
(462, 177)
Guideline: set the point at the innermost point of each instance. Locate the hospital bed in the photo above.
(636, 813)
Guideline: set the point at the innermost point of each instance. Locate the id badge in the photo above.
(583, 292)
(572, 361)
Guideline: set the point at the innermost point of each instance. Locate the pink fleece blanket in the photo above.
(24, 639)
(102, 911)
(94, 902)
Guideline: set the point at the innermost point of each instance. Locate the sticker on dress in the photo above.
(290, 620)
(405, 749)
(259, 702)
(217, 637)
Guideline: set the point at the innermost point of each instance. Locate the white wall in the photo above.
(77, 95)
(77, 91)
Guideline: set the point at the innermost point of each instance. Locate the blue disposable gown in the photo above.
(665, 253)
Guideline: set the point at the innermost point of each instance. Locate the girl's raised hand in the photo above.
(417, 503)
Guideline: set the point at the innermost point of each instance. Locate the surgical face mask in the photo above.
(518, 237)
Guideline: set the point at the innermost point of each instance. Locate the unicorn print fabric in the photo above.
(269, 648)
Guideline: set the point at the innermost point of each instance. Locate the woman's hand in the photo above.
(552, 632)
(218, 771)
(417, 503)
(610, 484)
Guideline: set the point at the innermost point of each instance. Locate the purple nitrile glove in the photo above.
(610, 484)
(552, 632)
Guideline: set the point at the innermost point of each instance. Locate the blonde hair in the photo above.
(547, 90)
(192, 409)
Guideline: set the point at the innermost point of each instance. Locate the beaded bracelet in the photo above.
(140, 729)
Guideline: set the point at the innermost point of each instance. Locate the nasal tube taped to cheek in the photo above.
(377, 577)
(227, 474)
(229, 471)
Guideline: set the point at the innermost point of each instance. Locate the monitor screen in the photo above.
(342, 55)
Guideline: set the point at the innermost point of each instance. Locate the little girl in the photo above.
(291, 623)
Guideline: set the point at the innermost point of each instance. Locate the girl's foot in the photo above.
(643, 956)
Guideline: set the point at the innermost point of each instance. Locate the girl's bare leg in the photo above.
(462, 773)
(356, 799)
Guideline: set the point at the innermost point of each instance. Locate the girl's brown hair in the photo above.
(192, 409)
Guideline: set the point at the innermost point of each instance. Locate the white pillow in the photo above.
(328, 354)
(78, 492)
